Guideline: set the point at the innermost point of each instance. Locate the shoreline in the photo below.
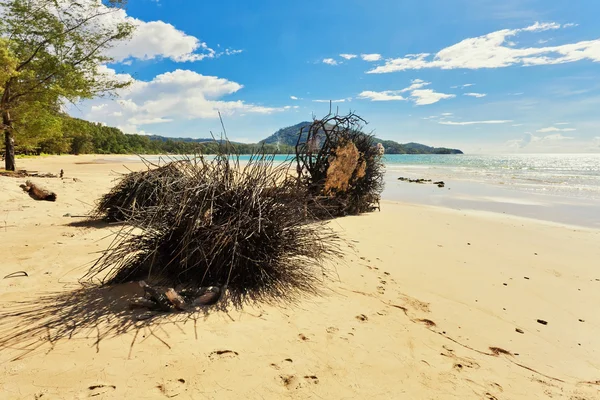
(458, 194)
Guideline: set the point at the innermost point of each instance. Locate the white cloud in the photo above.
(468, 85)
(423, 97)
(293, 98)
(517, 125)
(474, 122)
(555, 129)
(99, 107)
(538, 143)
(172, 96)
(415, 84)
(492, 51)
(332, 101)
(557, 136)
(478, 95)
(371, 57)
(387, 95)
(148, 120)
(348, 56)
(330, 61)
(447, 114)
(562, 123)
(158, 39)
(419, 96)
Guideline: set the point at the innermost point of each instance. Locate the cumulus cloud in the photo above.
(293, 98)
(330, 61)
(539, 143)
(157, 40)
(332, 101)
(418, 95)
(348, 56)
(555, 129)
(386, 95)
(415, 84)
(493, 51)
(478, 95)
(371, 57)
(423, 97)
(487, 122)
(171, 96)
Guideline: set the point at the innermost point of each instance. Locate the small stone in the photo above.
(541, 321)
(519, 330)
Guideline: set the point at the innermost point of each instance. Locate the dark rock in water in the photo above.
(440, 184)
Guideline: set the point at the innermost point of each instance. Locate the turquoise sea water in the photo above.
(562, 188)
(572, 175)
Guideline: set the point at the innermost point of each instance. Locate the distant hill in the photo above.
(185, 140)
(289, 136)
(392, 147)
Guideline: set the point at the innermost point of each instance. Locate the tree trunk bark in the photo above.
(9, 140)
(9, 144)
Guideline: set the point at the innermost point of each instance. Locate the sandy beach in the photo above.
(428, 303)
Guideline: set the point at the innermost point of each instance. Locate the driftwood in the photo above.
(39, 192)
(169, 300)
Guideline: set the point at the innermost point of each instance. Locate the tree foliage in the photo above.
(55, 50)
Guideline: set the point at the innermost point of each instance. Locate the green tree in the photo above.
(54, 49)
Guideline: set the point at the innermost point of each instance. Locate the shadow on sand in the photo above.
(93, 223)
(88, 312)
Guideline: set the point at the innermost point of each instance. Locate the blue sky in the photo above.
(480, 75)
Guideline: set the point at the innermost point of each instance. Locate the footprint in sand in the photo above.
(221, 354)
(100, 389)
(362, 318)
(288, 381)
(303, 337)
(380, 290)
(172, 388)
(459, 363)
(332, 329)
(312, 379)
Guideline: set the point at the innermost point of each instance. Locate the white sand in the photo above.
(423, 293)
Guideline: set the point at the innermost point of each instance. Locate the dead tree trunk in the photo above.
(39, 192)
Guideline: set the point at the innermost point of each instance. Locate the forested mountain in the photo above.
(289, 136)
(77, 136)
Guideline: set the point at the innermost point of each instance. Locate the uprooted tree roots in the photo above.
(340, 166)
(217, 223)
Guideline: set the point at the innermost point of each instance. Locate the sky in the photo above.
(485, 76)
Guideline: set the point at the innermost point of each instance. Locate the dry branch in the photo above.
(340, 166)
(39, 192)
(240, 228)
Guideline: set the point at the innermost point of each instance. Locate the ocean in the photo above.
(563, 188)
(571, 175)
